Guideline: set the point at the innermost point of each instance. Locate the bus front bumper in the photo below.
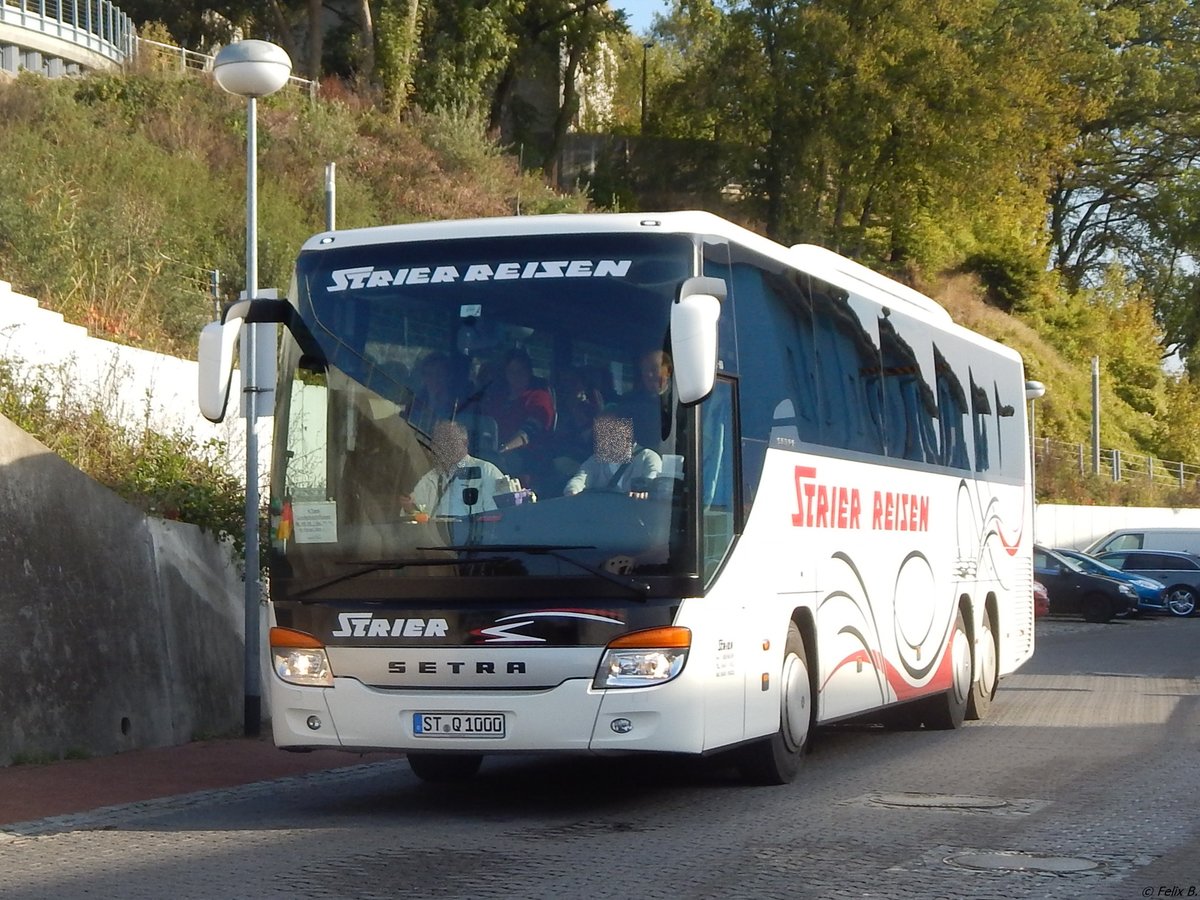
(572, 717)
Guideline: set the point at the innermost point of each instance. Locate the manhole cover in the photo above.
(938, 801)
(1023, 862)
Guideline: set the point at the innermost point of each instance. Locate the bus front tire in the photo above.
(443, 768)
(777, 759)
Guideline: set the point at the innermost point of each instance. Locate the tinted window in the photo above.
(775, 311)
(850, 369)
(910, 411)
(952, 411)
(1162, 561)
(829, 367)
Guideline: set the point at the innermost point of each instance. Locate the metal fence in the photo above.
(1119, 465)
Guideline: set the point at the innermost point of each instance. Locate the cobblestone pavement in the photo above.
(1083, 782)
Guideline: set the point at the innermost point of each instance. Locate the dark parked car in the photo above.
(1074, 591)
(1152, 594)
(1180, 572)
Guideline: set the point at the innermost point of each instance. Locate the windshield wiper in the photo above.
(375, 565)
(639, 588)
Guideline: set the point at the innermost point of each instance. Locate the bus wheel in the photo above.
(946, 711)
(986, 666)
(442, 768)
(776, 760)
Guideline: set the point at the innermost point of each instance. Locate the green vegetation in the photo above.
(167, 475)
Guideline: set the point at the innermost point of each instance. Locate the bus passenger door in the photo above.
(720, 628)
(785, 566)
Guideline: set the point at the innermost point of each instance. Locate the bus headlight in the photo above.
(644, 658)
(300, 658)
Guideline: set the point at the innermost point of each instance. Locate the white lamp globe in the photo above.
(252, 68)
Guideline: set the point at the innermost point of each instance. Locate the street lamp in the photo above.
(1033, 390)
(645, 50)
(252, 69)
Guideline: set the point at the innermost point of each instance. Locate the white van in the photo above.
(1186, 539)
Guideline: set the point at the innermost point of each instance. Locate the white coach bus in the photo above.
(630, 483)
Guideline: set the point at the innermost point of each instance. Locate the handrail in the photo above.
(97, 26)
(192, 60)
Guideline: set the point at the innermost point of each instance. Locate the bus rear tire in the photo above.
(777, 759)
(440, 768)
(987, 665)
(947, 711)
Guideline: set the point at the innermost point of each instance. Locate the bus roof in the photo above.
(817, 261)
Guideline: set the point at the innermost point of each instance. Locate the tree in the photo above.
(1125, 189)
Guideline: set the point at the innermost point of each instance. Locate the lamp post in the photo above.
(1033, 390)
(252, 69)
(645, 50)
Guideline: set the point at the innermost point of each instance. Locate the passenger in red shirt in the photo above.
(524, 412)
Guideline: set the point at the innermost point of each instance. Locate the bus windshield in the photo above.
(488, 409)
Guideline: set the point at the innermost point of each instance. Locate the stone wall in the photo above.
(117, 631)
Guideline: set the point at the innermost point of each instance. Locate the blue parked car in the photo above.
(1152, 594)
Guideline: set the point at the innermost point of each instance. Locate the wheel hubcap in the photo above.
(796, 701)
(961, 660)
(986, 653)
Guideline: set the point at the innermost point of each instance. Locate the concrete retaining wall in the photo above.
(117, 631)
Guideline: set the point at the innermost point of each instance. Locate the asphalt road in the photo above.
(1083, 782)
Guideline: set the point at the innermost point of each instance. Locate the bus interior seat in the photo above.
(482, 435)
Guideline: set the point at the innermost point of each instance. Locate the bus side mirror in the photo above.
(217, 343)
(694, 337)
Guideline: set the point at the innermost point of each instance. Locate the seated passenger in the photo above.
(618, 463)
(650, 402)
(524, 412)
(523, 407)
(458, 484)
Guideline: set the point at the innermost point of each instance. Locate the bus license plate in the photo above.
(459, 724)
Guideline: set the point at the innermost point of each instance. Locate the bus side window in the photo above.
(777, 356)
(849, 368)
(910, 411)
(952, 408)
(717, 470)
(981, 411)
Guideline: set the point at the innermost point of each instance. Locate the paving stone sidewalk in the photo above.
(32, 792)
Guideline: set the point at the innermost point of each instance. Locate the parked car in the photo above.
(1074, 591)
(1041, 600)
(1180, 572)
(1185, 540)
(1152, 594)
